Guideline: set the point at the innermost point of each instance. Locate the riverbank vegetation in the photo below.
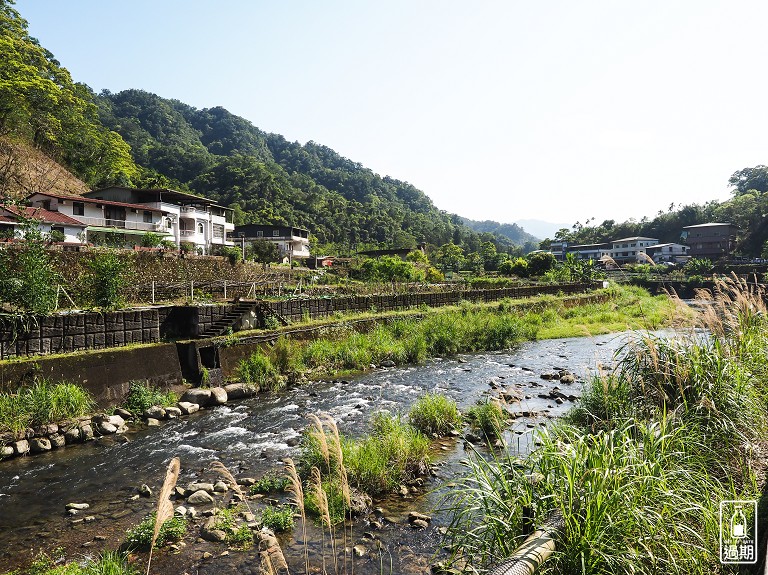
(639, 468)
(42, 402)
(466, 328)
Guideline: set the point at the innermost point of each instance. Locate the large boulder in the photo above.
(200, 498)
(21, 447)
(218, 396)
(198, 395)
(39, 444)
(241, 390)
(187, 408)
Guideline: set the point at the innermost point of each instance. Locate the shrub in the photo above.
(107, 279)
(258, 369)
(140, 537)
(141, 396)
(277, 518)
(151, 240)
(435, 414)
(27, 277)
(488, 418)
(270, 483)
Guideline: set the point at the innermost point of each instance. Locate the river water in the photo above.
(253, 436)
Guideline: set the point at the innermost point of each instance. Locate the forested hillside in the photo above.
(513, 232)
(268, 179)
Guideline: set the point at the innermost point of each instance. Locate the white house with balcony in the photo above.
(185, 218)
(292, 242)
(99, 218)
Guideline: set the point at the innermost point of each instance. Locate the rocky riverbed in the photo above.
(538, 381)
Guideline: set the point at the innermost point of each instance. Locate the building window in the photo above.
(276, 233)
(78, 209)
(168, 223)
(147, 217)
(260, 234)
(218, 231)
(200, 228)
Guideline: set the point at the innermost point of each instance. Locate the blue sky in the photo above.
(556, 110)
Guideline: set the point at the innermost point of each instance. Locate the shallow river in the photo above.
(253, 436)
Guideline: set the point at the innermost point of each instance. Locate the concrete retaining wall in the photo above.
(106, 374)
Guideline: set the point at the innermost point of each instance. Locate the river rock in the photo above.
(117, 421)
(6, 451)
(247, 481)
(155, 412)
(241, 390)
(144, 490)
(57, 440)
(293, 440)
(218, 396)
(86, 431)
(39, 444)
(360, 550)
(415, 515)
(124, 413)
(77, 506)
(387, 363)
(46, 430)
(360, 503)
(21, 447)
(181, 511)
(105, 428)
(419, 524)
(186, 407)
(209, 532)
(220, 487)
(196, 395)
(207, 487)
(152, 422)
(200, 498)
(172, 412)
(568, 378)
(72, 435)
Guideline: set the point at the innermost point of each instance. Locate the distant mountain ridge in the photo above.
(540, 228)
(513, 232)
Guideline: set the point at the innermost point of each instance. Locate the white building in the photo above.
(46, 221)
(631, 250)
(292, 242)
(186, 218)
(671, 253)
(99, 217)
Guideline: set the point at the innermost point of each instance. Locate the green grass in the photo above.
(139, 538)
(142, 395)
(435, 414)
(270, 483)
(238, 534)
(41, 403)
(488, 418)
(277, 519)
(259, 370)
(106, 563)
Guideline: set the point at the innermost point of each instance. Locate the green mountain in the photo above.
(268, 179)
(513, 232)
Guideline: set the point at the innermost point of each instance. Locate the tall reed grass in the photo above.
(639, 467)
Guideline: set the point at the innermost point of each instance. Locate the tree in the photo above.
(263, 251)
(107, 279)
(749, 179)
(517, 267)
(27, 278)
(540, 263)
(449, 257)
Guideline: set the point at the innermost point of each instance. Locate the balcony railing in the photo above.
(120, 224)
